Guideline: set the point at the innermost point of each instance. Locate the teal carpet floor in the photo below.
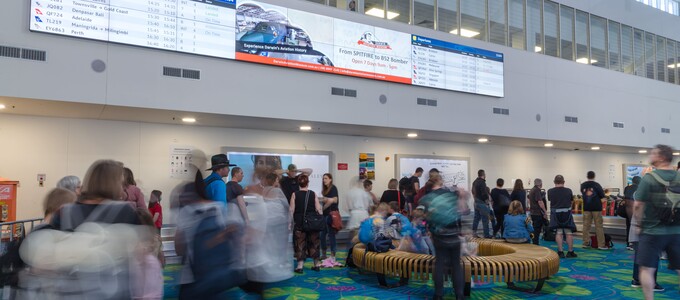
(595, 274)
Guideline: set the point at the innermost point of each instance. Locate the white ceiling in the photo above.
(49, 108)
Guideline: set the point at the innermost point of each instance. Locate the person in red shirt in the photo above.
(156, 209)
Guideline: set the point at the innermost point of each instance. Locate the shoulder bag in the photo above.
(314, 221)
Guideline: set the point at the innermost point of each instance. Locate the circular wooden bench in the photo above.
(497, 261)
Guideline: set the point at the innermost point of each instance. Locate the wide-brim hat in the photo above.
(219, 161)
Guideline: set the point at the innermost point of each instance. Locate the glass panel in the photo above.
(318, 1)
(534, 26)
(627, 49)
(497, 22)
(650, 61)
(581, 30)
(516, 24)
(660, 58)
(614, 38)
(672, 63)
(677, 62)
(639, 48)
(447, 16)
(423, 13)
(567, 32)
(350, 5)
(473, 19)
(375, 8)
(550, 28)
(598, 41)
(399, 10)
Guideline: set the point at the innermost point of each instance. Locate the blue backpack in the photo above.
(366, 231)
(214, 260)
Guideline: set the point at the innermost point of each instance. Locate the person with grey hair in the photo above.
(71, 183)
(537, 209)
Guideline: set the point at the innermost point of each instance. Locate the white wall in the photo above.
(60, 147)
(534, 84)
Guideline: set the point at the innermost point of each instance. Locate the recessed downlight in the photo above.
(483, 140)
(412, 135)
(642, 151)
(2, 106)
(595, 148)
(676, 153)
(189, 120)
(548, 145)
(305, 128)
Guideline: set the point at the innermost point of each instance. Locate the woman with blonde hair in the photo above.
(518, 227)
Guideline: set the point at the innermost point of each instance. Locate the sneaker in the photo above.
(664, 256)
(634, 283)
(571, 254)
(560, 254)
(585, 246)
(629, 248)
(658, 288)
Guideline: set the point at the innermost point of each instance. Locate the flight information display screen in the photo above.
(270, 34)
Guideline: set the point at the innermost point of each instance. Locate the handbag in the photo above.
(312, 222)
(336, 220)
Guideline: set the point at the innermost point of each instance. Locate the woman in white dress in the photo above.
(358, 202)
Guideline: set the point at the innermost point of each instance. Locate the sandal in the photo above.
(299, 271)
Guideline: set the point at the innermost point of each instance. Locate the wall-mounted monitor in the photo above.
(270, 34)
(632, 170)
(257, 163)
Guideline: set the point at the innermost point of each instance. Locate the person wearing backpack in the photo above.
(500, 200)
(593, 194)
(657, 202)
(443, 212)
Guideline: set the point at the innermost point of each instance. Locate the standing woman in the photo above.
(330, 204)
(132, 194)
(304, 202)
(519, 194)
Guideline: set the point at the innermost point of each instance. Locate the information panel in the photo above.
(270, 34)
(450, 66)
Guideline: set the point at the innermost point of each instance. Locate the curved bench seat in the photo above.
(498, 261)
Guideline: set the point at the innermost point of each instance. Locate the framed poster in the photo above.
(367, 166)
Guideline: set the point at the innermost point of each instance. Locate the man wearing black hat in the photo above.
(215, 188)
(289, 184)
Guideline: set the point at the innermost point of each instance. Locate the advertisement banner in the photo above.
(367, 166)
(256, 165)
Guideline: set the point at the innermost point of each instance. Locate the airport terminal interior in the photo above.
(408, 121)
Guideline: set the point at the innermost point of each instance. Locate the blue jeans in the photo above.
(481, 213)
(330, 232)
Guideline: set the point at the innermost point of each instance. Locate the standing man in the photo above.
(215, 189)
(415, 179)
(561, 219)
(234, 190)
(289, 184)
(592, 193)
(628, 197)
(659, 230)
(481, 194)
(537, 209)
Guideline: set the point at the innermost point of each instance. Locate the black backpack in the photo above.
(405, 184)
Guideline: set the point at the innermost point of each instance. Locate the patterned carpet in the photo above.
(594, 274)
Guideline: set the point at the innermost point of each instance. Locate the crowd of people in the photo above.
(235, 236)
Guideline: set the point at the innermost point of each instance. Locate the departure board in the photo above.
(265, 33)
(194, 26)
(450, 66)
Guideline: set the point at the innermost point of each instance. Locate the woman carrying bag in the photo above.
(332, 218)
(306, 214)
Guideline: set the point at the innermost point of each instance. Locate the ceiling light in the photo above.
(377, 12)
(548, 145)
(642, 151)
(673, 66)
(189, 120)
(483, 140)
(305, 128)
(676, 153)
(2, 106)
(412, 135)
(538, 49)
(464, 32)
(595, 148)
(584, 60)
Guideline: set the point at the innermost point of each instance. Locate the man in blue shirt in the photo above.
(215, 188)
